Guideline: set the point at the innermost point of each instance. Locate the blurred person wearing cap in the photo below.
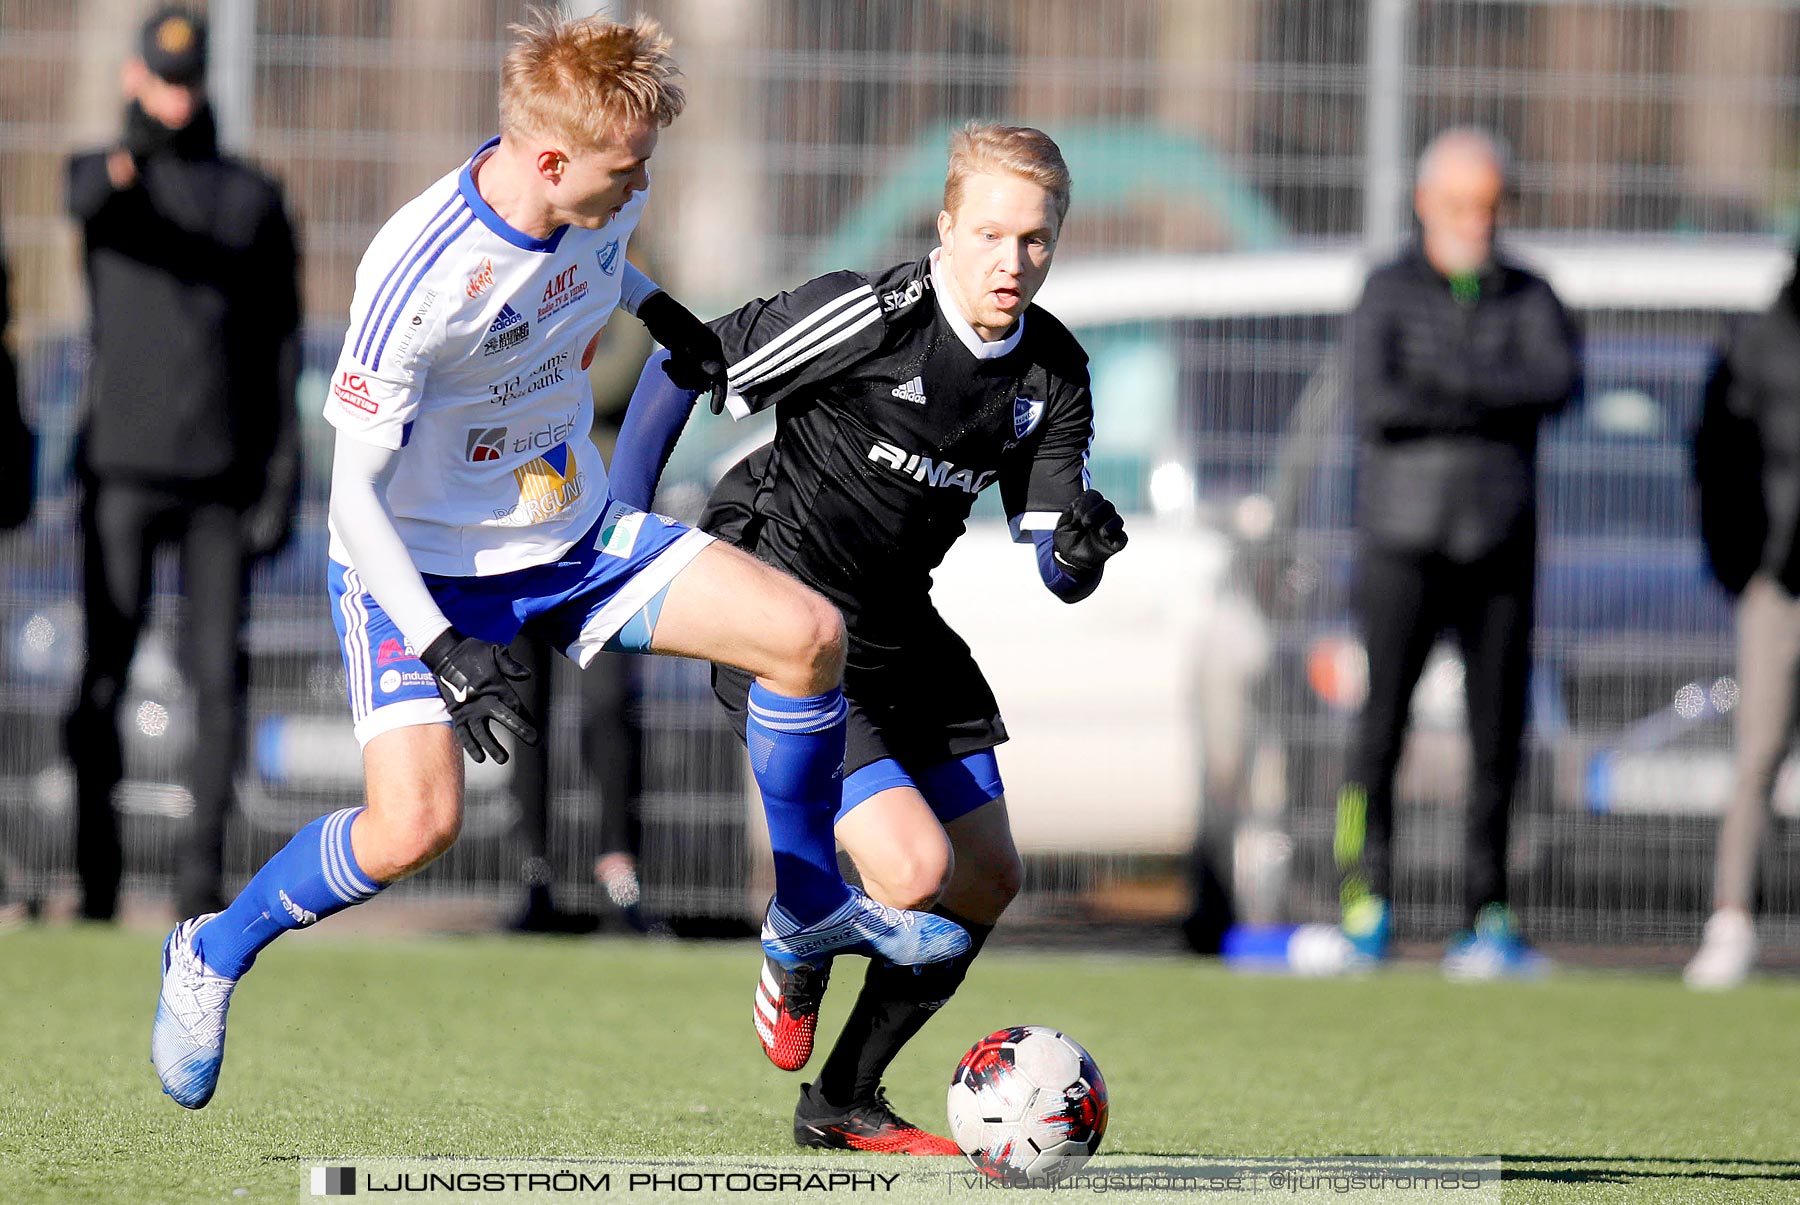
(1457, 355)
(189, 437)
(1747, 467)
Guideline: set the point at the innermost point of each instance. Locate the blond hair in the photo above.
(584, 79)
(988, 146)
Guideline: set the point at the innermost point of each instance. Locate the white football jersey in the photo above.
(464, 351)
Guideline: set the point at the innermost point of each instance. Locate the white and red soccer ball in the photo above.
(1027, 1105)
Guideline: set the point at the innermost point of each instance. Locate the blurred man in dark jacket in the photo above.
(1747, 464)
(17, 473)
(190, 436)
(1456, 356)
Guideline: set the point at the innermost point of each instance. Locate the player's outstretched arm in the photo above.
(1072, 557)
(654, 420)
(478, 679)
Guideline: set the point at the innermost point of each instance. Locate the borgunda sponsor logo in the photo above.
(550, 482)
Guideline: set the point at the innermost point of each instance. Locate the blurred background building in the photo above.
(1236, 163)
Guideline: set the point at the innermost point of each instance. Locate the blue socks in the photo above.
(796, 751)
(797, 755)
(312, 876)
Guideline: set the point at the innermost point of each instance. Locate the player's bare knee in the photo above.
(909, 895)
(917, 877)
(997, 880)
(815, 644)
(437, 832)
(420, 841)
(1006, 878)
(827, 644)
(922, 887)
(405, 836)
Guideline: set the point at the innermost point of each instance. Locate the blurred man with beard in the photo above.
(1457, 355)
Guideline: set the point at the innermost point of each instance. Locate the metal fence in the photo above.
(814, 139)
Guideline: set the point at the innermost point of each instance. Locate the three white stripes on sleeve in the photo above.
(821, 330)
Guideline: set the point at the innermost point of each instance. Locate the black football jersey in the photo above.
(891, 417)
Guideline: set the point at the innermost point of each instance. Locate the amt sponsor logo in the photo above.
(560, 291)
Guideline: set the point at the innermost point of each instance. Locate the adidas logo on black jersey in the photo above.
(912, 391)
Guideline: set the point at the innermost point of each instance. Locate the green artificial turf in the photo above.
(1607, 1087)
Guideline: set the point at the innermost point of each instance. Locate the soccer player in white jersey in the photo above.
(467, 502)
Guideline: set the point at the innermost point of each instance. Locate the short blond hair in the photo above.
(988, 146)
(585, 79)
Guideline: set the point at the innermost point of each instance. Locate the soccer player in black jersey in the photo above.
(899, 396)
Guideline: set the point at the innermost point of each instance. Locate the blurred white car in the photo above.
(1204, 369)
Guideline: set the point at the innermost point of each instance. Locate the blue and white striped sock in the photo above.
(797, 755)
(313, 876)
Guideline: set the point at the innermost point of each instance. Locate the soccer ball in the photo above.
(1027, 1106)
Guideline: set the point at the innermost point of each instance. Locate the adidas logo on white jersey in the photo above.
(509, 329)
(912, 391)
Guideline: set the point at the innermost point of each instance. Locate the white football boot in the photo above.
(1727, 952)
(188, 1041)
(862, 926)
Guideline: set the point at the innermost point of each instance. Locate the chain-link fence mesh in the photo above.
(1233, 159)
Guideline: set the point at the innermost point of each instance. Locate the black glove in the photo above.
(144, 136)
(268, 523)
(477, 681)
(18, 449)
(696, 357)
(267, 527)
(1088, 533)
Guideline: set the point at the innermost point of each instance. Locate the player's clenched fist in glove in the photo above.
(1088, 533)
(696, 357)
(477, 679)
